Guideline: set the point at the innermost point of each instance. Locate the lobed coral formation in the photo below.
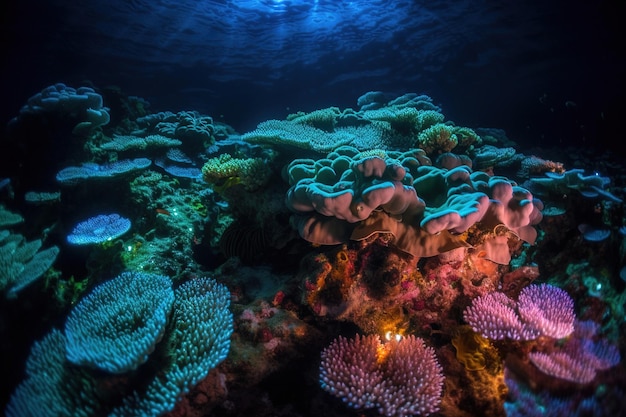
(344, 195)
(188, 126)
(83, 103)
(562, 183)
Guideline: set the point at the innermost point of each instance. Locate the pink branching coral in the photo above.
(350, 371)
(400, 378)
(580, 357)
(542, 310)
(547, 309)
(413, 380)
(494, 316)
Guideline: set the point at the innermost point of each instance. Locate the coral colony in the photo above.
(378, 260)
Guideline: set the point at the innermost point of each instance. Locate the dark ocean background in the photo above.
(549, 72)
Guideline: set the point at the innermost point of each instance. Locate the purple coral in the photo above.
(399, 378)
(494, 316)
(563, 366)
(547, 309)
(414, 380)
(542, 310)
(349, 370)
(582, 355)
(99, 229)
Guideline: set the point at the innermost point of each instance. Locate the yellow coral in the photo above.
(467, 137)
(472, 350)
(438, 138)
(324, 119)
(251, 173)
(371, 152)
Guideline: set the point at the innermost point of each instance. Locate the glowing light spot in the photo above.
(391, 335)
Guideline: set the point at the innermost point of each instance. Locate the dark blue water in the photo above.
(513, 65)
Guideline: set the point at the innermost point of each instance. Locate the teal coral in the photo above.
(21, 262)
(9, 218)
(406, 122)
(559, 184)
(50, 386)
(126, 142)
(89, 171)
(189, 126)
(324, 119)
(197, 338)
(114, 330)
(82, 102)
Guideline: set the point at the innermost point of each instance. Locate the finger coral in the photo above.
(542, 310)
(399, 378)
(112, 329)
(580, 357)
(115, 329)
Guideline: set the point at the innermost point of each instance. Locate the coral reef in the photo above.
(84, 103)
(378, 261)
